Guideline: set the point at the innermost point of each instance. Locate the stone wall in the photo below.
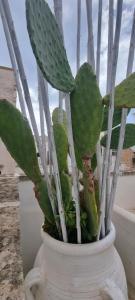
(11, 272)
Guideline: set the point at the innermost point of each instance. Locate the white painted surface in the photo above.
(125, 195)
(31, 219)
(70, 271)
(124, 221)
(125, 240)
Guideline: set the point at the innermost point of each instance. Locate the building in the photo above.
(127, 162)
(7, 91)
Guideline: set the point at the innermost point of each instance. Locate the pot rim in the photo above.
(79, 249)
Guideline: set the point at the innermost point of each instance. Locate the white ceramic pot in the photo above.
(68, 271)
(31, 219)
(124, 221)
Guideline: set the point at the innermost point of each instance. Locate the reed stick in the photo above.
(122, 129)
(13, 60)
(111, 110)
(78, 34)
(44, 144)
(109, 68)
(18, 57)
(98, 147)
(99, 40)
(110, 44)
(74, 168)
(90, 47)
(53, 157)
(58, 15)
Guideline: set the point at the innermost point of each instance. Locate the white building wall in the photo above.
(7, 91)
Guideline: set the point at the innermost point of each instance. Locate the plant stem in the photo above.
(111, 110)
(122, 130)
(13, 60)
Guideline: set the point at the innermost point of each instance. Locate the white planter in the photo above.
(68, 271)
(31, 219)
(124, 221)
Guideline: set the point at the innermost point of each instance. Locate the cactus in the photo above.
(116, 118)
(61, 143)
(17, 136)
(66, 188)
(129, 139)
(41, 194)
(90, 198)
(86, 112)
(55, 117)
(124, 93)
(47, 45)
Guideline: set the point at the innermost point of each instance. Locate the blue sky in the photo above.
(69, 23)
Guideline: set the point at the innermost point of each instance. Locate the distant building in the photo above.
(7, 91)
(128, 159)
(127, 162)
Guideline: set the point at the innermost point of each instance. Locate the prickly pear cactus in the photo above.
(41, 194)
(66, 188)
(16, 134)
(61, 143)
(47, 44)
(55, 117)
(90, 202)
(124, 93)
(86, 111)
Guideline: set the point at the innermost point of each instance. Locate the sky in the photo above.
(69, 23)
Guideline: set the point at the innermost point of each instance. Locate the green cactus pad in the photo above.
(94, 162)
(61, 143)
(129, 140)
(86, 111)
(116, 118)
(47, 45)
(90, 205)
(43, 200)
(55, 117)
(66, 188)
(124, 93)
(17, 136)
